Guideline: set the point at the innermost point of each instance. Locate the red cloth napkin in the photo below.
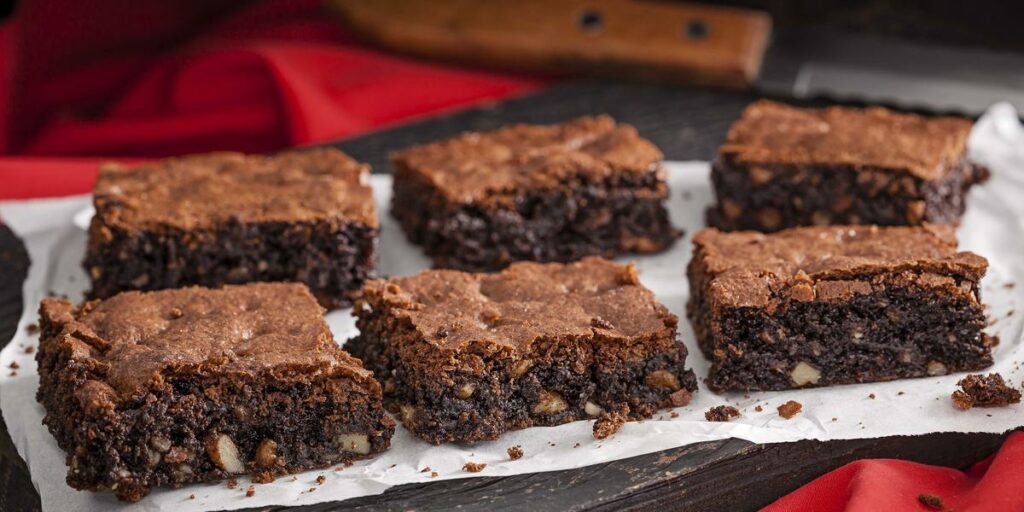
(125, 78)
(996, 484)
(82, 82)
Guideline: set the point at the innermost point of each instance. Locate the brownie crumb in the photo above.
(977, 390)
(311, 489)
(577, 445)
(721, 413)
(758, 408)
(931, 501)
(673, 414)
(609, 422)
(871, 396)
(191, 496)
(474, 467)
(321, 479)
(232, 483)
(250, 492)
(790, 409)
(515, 452)
(15, 365)
(30, 349)
(14, 373)
(1009, 285)
(32, 329)
(425, 470)
(433, 474)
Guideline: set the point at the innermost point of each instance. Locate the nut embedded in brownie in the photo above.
(532, 192)
(228, 218)
(466, 357)
(818, 306)
(149, 389)
(784, 166)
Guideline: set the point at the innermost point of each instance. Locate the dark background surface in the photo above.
(688, 124)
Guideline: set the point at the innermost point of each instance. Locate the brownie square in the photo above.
(228, 218)
(530, 192)
(160, 388)
(467, 357)
(817, 306)
(783, 166)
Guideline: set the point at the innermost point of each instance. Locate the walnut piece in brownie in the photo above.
(170, 387)
(818, 306)
(466, 357)
(790, 409)
(228, 218)
(784, 166)
(721, 413)
(984, 391)
(480, 201)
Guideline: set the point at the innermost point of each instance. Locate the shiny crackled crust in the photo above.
(228, 218)
(180, 386)
(784, 166)
(533, 192)
(467, 357)
(835, 305)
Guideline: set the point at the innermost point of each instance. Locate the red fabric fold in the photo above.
(996, 484)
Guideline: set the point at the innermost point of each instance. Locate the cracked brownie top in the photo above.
(523, 304)
(202, 190)
(135, 340)
(752, 269)
(474, 165)
(773, 133)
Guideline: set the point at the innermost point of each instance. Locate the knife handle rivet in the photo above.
(590, 20)
(696, 29)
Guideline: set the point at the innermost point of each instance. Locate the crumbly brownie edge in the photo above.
(481, 396)
(901, 329)
(773, 197)
(187, 428)
(625, 213)
(333, 258)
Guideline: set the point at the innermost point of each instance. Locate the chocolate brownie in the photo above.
(467, 357)
(817, 306)
(480, 201)
(783, 166)
(149, 389)
(228, 218)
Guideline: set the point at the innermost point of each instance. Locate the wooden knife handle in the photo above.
(627, 39)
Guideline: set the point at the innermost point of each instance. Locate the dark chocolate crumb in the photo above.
(311, 489)
(721, 413)
(871, 396)
(191, 496)
(790, 409)
(30, 349)
(673, 414)
(1009, 285)
(758, 408)
(14, 373)
(474, 467)
(609, 422)
(14, 365)
(32, 329)
(425, 470)
(515, 452)
(250, 492)
(931, 501)
(321, 479)
(984, 391)
(232, 483)
(577, 445)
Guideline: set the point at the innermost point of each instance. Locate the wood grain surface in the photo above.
(733, 475)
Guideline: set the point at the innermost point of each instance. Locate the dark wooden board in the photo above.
(734, 475)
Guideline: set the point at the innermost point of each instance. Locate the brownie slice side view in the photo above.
(228, 218)
(783, 166)
(466, 357)
(166, 388)
(533, 192)
(818, 306)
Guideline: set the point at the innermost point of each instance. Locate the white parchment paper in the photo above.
(992, 227)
